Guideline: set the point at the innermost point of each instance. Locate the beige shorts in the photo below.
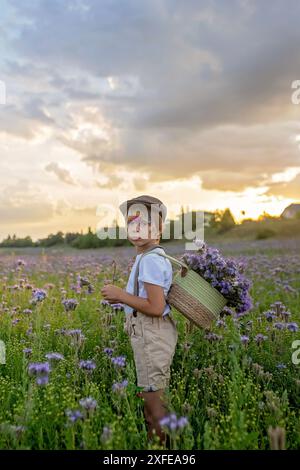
(153, 340)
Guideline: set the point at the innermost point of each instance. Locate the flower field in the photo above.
(68, 378)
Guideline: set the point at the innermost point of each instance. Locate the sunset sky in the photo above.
(189, 101)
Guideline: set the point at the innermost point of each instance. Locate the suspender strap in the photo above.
(136, 276)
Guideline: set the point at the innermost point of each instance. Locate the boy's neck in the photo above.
(141, 249)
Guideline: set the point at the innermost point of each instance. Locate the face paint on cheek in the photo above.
(137, 227)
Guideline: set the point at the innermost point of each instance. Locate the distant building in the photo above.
(290, 211)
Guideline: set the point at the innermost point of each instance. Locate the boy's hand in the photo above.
(112, 294)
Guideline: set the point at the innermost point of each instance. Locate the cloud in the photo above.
(290, 189)
(112, 181)
(167, 88)
(62, 173)
(23, 203)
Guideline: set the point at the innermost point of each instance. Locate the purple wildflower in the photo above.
(74, 415)
(117, 306)
(108, 351)
(41, 371)
(270, 315)
(20, 262)
(225, 275)
(292, 326)
(213, 337)
(42, 379)
(38, 295)
(89, 403)
(39, 368)
(259, 338)
(87, 365)
(119, 386)
(83, 281)
(54, 356)
(27, 351)
(119, 361)
(227, 311)
(70, 304)
(244, 339)
(172, 423)
(77, 336)
(75, 332)
(106, 434)
(29, 331)
(27, 311)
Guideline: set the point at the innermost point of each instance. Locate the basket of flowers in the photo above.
(205, 284)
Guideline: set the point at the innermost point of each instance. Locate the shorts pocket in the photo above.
(169, 322)
(136, 328)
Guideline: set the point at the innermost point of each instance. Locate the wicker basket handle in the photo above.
(184, 267)
(183, 271)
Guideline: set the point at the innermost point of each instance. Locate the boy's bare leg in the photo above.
(155, 409)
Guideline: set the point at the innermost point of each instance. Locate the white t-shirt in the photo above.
(154, 269)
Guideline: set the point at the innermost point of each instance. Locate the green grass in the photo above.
(230, 402)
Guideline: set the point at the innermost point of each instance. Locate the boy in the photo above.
(152, 330)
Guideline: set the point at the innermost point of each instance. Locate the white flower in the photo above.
(199, 243)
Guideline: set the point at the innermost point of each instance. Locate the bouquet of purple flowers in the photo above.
(223, 274)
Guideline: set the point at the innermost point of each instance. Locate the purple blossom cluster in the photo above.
(87, 365)
(76, 335)
(21, 262)
(210, 336)
(70, 304)
(116, 307)
(38, 295)
(108, 351)
(172, 423)
(119, 386)
(27, 351)
(54, 357)
(106, 434)
(40, 370)
(82, 282)
(119, 361)
(225, 275)
(245, 339)
(27, 311)
(89, 404)
(278, 315)
(74, 415)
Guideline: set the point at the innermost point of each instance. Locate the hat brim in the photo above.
(124, 207)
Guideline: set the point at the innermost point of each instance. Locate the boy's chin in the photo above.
(139, 241)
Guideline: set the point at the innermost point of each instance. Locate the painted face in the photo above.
(139, 227)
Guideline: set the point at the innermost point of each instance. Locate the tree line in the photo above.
(219, 222)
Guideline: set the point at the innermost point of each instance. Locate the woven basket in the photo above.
(193, 296)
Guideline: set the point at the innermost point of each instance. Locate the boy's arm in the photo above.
(153, 305)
